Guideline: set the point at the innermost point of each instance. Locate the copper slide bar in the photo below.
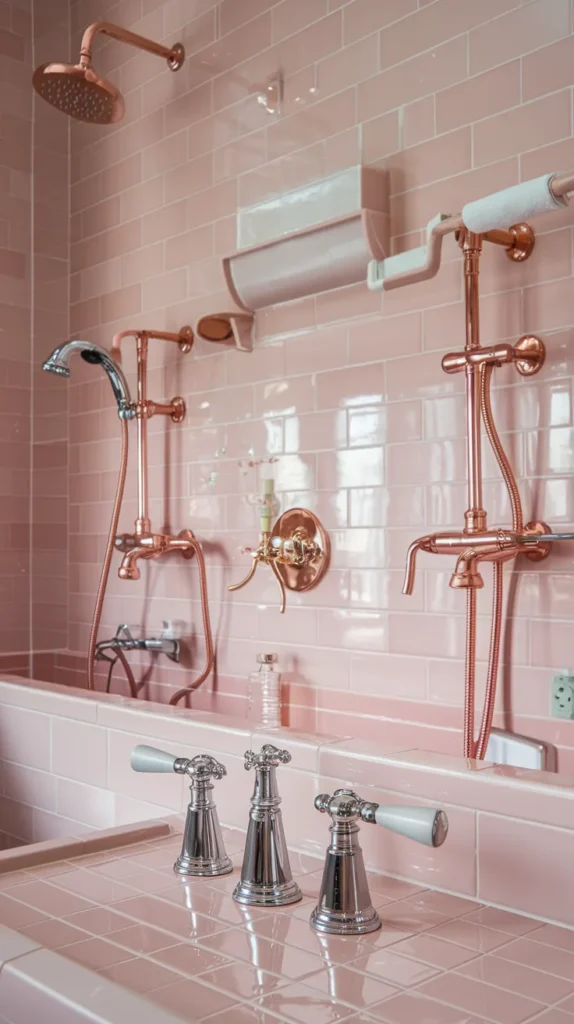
(475, 515)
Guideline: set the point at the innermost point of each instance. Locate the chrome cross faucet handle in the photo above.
(266, 877)
(268, 756)
(344, 906)
(203, 851)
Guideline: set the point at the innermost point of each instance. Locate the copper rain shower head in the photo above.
(77, 90)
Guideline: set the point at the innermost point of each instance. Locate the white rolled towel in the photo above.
(512, 205)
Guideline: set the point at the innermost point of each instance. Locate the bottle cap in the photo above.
(266, 659)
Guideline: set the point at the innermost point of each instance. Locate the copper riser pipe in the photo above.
(477, 542)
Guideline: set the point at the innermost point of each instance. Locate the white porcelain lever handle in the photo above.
(425, 825)
(150, 759)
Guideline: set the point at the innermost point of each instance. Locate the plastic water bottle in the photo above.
(264, 697)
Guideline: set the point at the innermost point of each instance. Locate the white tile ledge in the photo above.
(50, 850)
(366, 750)
(43, 985)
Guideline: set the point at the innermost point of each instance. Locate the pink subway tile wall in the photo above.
(65, 771)
(15, 328)
(344, 390)
(51, 239)
(34, 283)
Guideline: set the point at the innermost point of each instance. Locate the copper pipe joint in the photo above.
(153, 545)
(518, 240)
(528, 354)
(475, 521)
(175, 409)
(454, 362)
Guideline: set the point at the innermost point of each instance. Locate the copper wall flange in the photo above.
(523, 242)
(541, 551)
(176, 57)
(186, 337)
(304, 524)
(189, 535)
(534, 351)
(178, 410)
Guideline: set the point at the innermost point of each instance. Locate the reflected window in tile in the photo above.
(367, 426)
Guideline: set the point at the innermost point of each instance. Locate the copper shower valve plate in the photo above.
(539, 553)
(523, 242)
(178, 410)
(308, 527)
(534, 352)
(187, 338)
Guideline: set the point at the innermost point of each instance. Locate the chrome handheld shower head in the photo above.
(58, 363)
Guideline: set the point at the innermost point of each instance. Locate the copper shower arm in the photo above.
(174, 55)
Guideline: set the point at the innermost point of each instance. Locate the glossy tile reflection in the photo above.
(438, 958)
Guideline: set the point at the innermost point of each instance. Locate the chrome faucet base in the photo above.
(332, 922)
(206, 867)
(279, 894)
(344, 906)
(266, 878)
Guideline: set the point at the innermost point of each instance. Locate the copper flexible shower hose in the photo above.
(500, 454)
(469, 672)
(108, 555)
(209, 651)
(471, 748)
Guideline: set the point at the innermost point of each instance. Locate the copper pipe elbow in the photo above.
(466, 575)
(411, 566)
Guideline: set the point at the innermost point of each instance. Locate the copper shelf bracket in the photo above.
(296, 550)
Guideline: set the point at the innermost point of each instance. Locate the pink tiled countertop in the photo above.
(65, 770)
(184, 946)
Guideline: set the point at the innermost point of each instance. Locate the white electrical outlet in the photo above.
(562, 696)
